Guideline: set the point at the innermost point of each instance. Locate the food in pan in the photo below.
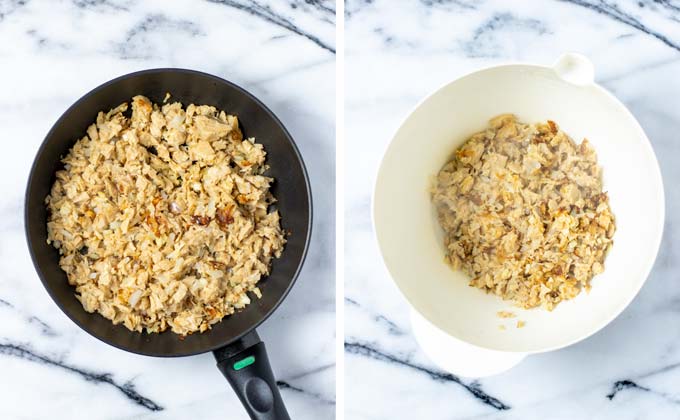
(523, 212)
(162, 217)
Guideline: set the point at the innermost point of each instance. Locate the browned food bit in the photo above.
(200, 220)
(217, 265)
(161, 220)
(464, 153)
(225, 215)
(212, 312)
(152, 222)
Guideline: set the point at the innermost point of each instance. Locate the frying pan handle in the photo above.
(245, 365)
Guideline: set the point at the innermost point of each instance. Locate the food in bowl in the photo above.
(523, 212)
(162, 218)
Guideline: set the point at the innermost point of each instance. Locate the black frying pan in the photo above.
(240, 354)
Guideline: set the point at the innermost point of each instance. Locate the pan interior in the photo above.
(291, 188)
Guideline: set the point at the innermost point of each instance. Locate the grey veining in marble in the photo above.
(397, 55)
(53, 52)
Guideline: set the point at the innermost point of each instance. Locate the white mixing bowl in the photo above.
(410, 238)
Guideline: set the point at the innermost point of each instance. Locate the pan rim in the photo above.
(219, 80)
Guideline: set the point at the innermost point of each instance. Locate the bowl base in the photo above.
(458, 357)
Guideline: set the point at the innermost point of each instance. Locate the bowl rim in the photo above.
(161, 70)
(615, 102)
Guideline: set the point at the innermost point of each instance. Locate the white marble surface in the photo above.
(395, 56)
(51, 53)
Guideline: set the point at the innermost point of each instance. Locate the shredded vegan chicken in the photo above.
(524, 214)
(162, 219)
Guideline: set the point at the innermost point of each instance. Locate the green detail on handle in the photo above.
(244, 363)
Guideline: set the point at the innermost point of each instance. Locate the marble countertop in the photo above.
(397, 55)
(53, 52)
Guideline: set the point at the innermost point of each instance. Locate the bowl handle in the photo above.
(246, 366)
(456, 356)
(575, 68)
